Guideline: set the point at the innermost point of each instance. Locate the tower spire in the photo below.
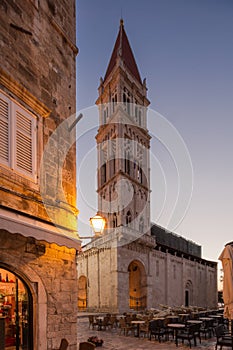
(122, 48)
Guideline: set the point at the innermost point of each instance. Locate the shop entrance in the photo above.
(16, 330)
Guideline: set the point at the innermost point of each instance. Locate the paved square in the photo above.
(114, 341)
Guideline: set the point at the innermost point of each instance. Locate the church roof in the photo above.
(123, 50)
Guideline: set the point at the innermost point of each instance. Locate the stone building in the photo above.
(38, 214)
(134, 265)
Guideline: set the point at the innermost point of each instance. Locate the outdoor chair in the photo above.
(207, 328)
(63, 345)
(86, 346)
(188, 333)
(156, 328)
(92, 321)
(105, 323)
(223, 338)
(144, 329)
(125, 327)
(113, 321)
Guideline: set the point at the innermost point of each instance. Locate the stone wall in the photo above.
(50, 273)
(38, 70)
(168, 277)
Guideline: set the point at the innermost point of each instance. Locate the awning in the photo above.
(17, 223)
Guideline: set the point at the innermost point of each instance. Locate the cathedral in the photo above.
(134, 265)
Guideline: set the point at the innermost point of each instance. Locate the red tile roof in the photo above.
(122, 49)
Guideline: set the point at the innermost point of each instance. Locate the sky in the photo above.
(185, 51)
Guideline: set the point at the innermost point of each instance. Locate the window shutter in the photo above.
(24, 142)
(4, 129)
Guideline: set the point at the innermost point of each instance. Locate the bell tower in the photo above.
(123, 144)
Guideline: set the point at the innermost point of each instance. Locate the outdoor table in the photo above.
(176, 327)
(215, 316)
(138, 325)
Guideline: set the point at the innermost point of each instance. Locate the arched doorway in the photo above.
(82, 293)
(188, 294)
(137, 286)
(16, 318)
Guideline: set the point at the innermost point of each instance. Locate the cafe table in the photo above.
(138, 322)
(205, 318)
(194, 321)
(176, 327)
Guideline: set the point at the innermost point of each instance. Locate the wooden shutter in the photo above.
(24, 142)
(4, 129)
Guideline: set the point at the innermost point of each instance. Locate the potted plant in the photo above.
(95, 340)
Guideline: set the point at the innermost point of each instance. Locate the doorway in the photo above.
(137, 286)
(16, 328)
(82, 293)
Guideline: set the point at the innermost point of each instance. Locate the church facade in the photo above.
(134, 265)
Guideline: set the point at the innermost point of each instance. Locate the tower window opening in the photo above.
(114, 101)
(114, 221)
(105, 115)
(103, 173)
(128, 218)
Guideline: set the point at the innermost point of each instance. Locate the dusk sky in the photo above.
(185, 51)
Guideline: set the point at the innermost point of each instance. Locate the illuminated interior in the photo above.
(15, 312)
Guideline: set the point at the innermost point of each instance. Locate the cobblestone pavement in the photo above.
(114, 341)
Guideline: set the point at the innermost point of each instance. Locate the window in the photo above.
(114, 220)
(126, 100)
(105, 115)
(17, 138)
(128, 218)
(103, 173)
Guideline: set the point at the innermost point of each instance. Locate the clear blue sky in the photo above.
(185, 50)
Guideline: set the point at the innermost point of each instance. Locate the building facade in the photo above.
(134, 265)
(38, 214)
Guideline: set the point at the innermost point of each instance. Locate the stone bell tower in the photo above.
(114, 268)
(123, 145)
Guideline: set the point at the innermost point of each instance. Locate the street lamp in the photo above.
(97, 223)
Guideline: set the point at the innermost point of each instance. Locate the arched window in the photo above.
(128, 218)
